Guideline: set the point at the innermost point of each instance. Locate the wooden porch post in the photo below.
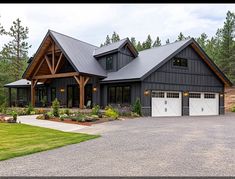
(82, 81)
(9, 93)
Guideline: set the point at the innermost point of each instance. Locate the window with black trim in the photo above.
(209, 95)
(119, 95)
(109, 63)
(180, 62)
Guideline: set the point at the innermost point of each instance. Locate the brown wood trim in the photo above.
(77, 79)
(32, 93)
(60, 75)
(49, 64)
(53, 57)
(39, 67)
(81, 106)
(57, 65)
(86, 80)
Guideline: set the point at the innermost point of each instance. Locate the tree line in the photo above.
(14, 54)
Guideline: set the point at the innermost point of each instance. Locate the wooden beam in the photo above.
(35, 83)
(60, 75)
(57, 65)
(32, 93)
(53, 57)
(39, 67)
(49, 64)
(86, 80)
(77, 79)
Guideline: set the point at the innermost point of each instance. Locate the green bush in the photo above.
(67, 111)
(111, 112)
(62, 117)
(55, 107)
(133, 114)
(80, 118)
(137, 107)
(3, 108)
(233, 108)
(50, 114)
(95, 110)
(32, 112)
(29, 109)
(14, 115)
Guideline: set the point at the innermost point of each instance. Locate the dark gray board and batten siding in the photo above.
(196, 77)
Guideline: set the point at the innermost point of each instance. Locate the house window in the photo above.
(119, 95)
(180, 62)
(109, 63)
(53, 94)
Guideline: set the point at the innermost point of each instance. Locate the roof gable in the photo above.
(78, 53)
(113, 47)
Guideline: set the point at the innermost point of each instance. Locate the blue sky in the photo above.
(92, 22)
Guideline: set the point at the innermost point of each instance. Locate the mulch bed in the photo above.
(69, 121)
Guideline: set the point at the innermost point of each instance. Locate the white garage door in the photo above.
(203, 104)
(166, 103)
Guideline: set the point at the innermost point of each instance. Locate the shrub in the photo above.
(14, 115)
(133, 114)
(67, 111)
(40, 117)
(3, 108)
(49, 114)
(233, 108)
(29, 109)
(111, 112)
(46, 116)
(80, 118)
(55, 107)
(32, 113)
(62, 117)
(40, 111)
(95, 110)
(137, 107)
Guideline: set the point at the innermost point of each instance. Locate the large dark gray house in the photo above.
(171, 80)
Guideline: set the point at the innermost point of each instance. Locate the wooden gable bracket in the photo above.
(49, 64)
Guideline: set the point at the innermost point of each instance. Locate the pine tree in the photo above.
(148, 43)
(2, 30)
(17, 49)
(115, 37)
(227, 50)
(139, 46)
(107, 41)
(167, 41)
(133, 41)
(181, 37)
(202, 40)
(157, 42)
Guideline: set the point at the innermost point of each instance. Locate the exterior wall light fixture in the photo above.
(186, 93)
(146, 92)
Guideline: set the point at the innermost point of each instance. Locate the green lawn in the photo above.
(20, 139)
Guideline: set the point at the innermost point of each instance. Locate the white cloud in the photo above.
(92, 22)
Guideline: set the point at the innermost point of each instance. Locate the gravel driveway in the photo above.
(182, 146)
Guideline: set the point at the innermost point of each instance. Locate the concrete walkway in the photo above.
(31, 120)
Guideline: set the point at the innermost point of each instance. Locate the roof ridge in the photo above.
(166, 44)
(113, 43)
(71, 37)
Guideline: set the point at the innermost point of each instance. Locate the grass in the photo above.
(20, 139)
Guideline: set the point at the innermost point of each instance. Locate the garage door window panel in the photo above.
(194, 95)
(209, 96)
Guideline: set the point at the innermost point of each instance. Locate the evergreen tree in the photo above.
(133, 41)
(157, 42)
(167, 41)
(107, 41)
(202, 40)
(139, 46)
(148, 43)
(181, 37)
(17, 49)
(115, 37)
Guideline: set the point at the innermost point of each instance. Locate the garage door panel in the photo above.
(203, 104)
(166, 103)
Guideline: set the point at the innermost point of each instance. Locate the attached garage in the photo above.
(202, 104)
(166, 103)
